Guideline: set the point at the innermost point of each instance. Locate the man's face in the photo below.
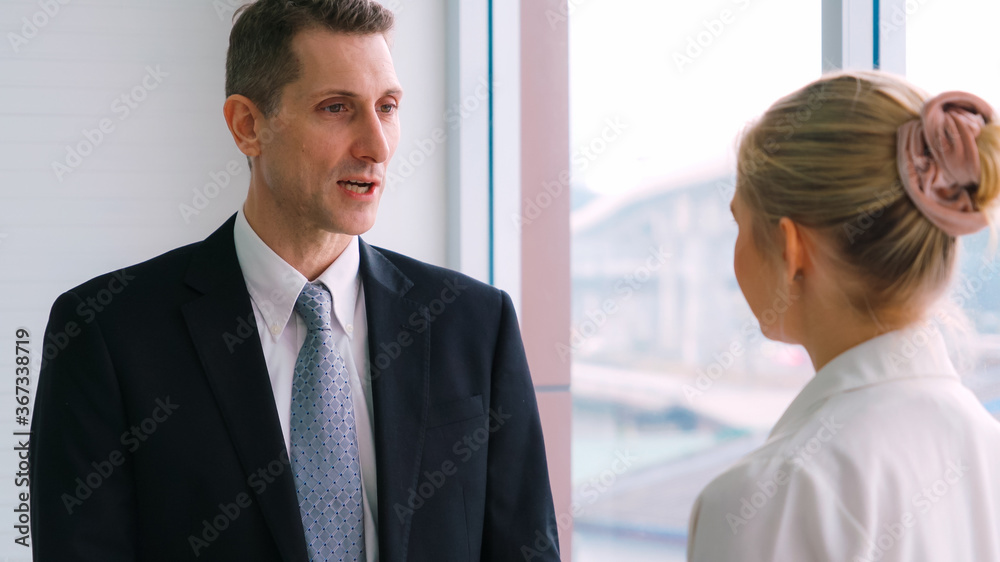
(325, 150)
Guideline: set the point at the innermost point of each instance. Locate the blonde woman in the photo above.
(851, 194)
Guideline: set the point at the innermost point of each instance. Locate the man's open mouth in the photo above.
(356, 186)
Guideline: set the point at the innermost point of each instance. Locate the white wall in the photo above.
(120, 203)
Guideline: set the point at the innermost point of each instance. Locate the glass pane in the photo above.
(672, 380)
(950, 46)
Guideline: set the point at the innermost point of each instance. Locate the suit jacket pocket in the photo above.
(455, 411)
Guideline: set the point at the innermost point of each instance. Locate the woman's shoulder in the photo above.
(762, 475)
(838, 471)
(768, 506)
(796, 492)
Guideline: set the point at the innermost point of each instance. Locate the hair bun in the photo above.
(938, 160)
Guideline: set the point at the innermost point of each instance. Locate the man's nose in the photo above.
(370, 141)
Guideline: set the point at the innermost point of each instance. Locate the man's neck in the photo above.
(309, 251)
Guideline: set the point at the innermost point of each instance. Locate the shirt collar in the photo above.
(916, 351)
(274, 284)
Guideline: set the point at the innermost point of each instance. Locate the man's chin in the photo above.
(352, 228)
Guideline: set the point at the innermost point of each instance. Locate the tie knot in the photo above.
(314, 305)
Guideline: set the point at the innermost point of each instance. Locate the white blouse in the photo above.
(884, 455)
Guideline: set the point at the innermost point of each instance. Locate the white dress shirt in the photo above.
(274, 285)
(884, 455)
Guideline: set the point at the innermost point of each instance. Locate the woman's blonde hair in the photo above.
(825, 157)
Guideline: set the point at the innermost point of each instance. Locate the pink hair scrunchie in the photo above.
(938, 160)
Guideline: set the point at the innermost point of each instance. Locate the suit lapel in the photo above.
(224, 331)
(399, 355)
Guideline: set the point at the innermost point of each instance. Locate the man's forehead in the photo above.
(347, 61)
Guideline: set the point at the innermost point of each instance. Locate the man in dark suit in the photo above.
(282, 391)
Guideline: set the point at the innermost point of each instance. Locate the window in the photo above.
(671, 379)
(659, 93)
(949, 47)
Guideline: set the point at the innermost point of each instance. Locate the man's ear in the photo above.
(795, 253)
(243, 118)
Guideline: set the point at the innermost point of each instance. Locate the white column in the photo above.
(507, 149)
(848, 34)
(468, 76)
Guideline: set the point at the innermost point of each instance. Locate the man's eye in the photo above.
(387, 107)
(334, 108)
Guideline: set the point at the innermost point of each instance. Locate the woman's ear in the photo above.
(794, 253)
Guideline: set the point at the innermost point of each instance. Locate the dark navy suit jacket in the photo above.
(155, 435)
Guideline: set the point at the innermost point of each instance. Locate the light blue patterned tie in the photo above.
(324, 445)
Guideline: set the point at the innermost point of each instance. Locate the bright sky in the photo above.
(683, 115)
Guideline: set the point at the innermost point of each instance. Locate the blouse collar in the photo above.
(917, 351)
